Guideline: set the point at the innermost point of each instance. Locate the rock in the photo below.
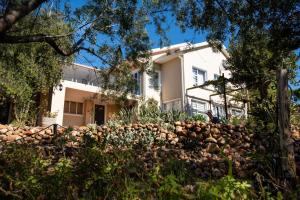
(28, 132)
(198, 129)
(188, 126)
(296, 135)
(2, 126)
(178, 123)
(11, 138)
(212, 148)
(193, 135)
(211, 140)
(221, 140)
(162, 130)
(216, 172)
(215, 131)
(163, 136)
(178, 129)
(3, 131)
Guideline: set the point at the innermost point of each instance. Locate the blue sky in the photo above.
(174, 34)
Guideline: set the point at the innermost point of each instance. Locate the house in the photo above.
(176, 70)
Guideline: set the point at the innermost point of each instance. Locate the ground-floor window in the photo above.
(198, 107)
(218, 110)
(172, 105)
(236, 112)
(72, 107)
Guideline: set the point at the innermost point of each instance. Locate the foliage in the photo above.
(92, 172)
(226, 188)
(28, 71)
(199, 117)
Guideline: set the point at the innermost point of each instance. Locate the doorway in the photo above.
(4, 113)
(99, 114)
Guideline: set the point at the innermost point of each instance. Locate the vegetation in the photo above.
(29, 71)
(90, 173)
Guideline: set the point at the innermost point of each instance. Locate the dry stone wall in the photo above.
(205, 146)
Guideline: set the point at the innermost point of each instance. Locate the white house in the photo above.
(176, 71)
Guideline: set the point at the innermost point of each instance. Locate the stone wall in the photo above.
(204, 145)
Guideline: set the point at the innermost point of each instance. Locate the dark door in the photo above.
(4, 112)
(99, 114)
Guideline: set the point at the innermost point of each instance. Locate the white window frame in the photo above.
(239, 110)
(196, 111)
(197, 75)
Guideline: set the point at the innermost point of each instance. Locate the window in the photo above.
(73, 107)
(84, 81)
(236, 112)
(216, 76)
(154, 80)
(138, 79)
(198, 107)
(199, 76)
(218, 110)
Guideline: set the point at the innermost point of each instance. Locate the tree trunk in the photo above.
(288, 164)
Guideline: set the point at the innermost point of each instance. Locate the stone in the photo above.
(11, 138)
(2, 126)
(28, 132)
(198, 129)
(221, 140)
(212, 148)
(163, 135)
(211, 140)
(178, 129)
(215, 131)
(296, 135)
(193, 135)
(178, 123)
(189, 126)
(3, 131)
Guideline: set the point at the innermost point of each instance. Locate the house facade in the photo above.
(176, 72)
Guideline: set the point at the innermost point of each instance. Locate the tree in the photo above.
(29, 71)
(263, 35)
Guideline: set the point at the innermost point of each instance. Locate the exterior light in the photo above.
(60, 87)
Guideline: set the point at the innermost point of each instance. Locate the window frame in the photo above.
(76, 108)
(198, 69)
(198, 111)
(151, 81)
(138, 89)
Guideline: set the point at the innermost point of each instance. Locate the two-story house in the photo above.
(176, 71)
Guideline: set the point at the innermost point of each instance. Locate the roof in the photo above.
(175, 50)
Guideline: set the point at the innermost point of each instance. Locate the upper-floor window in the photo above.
(154, 80)
(72, 107)
(199, 76)
(138, 80)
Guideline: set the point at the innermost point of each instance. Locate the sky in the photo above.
(174, 34)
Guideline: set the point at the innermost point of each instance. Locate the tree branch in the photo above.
(14, 14)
